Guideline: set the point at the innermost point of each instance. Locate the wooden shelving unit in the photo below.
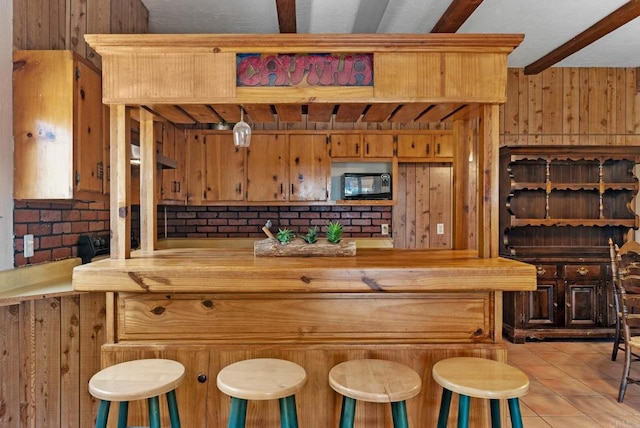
(560, 205)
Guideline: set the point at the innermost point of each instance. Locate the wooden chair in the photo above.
(138, 380)
(480, 378)
(262, 379)
(376, 381)
(627, 283)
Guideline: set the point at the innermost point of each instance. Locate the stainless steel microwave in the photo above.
(366, 185)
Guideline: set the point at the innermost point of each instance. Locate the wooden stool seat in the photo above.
(262, 379)
(377, 381)
(480, 378)
(137, 380)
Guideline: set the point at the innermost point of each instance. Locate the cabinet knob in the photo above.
(202, 378)
(540, 271)
(582, 271)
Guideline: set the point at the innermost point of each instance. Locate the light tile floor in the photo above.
(574, 384)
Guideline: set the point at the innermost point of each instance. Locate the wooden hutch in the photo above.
(208, 307)
(560, 205)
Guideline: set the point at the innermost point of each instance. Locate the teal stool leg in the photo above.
(463, 411)
(445, 405)
(238, 413)
(495, 413)
(514, 411)
(174, 416)
(103, 414)
(399, 413)
(154, 412)
(123, 414)
(288, 414)
(348, 412)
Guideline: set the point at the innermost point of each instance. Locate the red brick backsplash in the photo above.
(246, 222)
(55, 228)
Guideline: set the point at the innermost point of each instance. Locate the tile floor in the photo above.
(574, 384)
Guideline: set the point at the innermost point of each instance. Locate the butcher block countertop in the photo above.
(237, 270)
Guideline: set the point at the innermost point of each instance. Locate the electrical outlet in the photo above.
(440, 229)
(384, 229)
(28, 245)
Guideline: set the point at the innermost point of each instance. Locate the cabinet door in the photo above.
(224, 174)
(541, 306)
(443, 145)
(583, 286)
(378, 145)
(309, 167)
(173, 180)
(267, 169)
(346, 145)
(88, 142)
(415, 145)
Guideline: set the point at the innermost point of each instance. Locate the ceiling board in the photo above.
(349, 112)
(319, 112)
(259, 113)
(408, 112)
(379, 112)
(438, 112)
(228, 112)
(201, 113)
(289, 112)
(172, 113)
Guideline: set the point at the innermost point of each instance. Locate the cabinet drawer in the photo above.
(582, 271)
(546, 271)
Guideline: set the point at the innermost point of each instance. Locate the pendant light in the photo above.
(241, 132)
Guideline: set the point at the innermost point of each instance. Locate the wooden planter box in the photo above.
(299, 248)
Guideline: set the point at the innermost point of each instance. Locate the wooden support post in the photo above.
(148, 197)
(461, 211)
(120, 119)
(488, 191)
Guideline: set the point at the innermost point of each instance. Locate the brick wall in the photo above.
(55, 228)
(237, 222)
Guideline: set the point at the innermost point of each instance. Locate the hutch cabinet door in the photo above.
(267, 168)
(377, 145)
(583, 295)
(224, 169)
(309, 167)
(541, 306)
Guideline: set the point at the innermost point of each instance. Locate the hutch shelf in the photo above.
(559, 207)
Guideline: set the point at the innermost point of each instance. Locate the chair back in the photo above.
(625, 265)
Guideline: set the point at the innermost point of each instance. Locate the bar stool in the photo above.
(137, 380)
(376, 381)
(480, 378)
(262, 379)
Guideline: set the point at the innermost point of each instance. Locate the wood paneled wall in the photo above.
(49, 349)
(62, 24)
(577, 106)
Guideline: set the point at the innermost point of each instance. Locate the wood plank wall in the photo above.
(49, 349)
(573, 106)
(62, 24)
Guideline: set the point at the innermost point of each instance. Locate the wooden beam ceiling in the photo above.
(286, 15)
(611, 22)
(455, 15)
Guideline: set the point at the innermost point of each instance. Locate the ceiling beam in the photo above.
(286, 16)
(616, 19)
(455, 15)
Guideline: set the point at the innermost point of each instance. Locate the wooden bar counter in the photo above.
(209, 307)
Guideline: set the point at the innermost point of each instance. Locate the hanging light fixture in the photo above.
(241, 132)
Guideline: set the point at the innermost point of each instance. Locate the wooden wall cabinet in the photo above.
(58, 127)
(424, 147)
(560, 205)
(361, 145)
(174, 186)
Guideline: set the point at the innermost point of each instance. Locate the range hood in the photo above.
(162, 161)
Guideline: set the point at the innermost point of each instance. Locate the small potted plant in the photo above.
(285, 235)
(334, 232)
(311, 236)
